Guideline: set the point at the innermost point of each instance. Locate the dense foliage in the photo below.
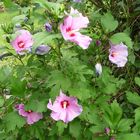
(96, 66)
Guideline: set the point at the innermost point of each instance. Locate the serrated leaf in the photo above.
(81, 91)
(44, 38)
(96, 129)
(124, 125)
(121, 37)
(75, 129)
(137, 120)
(18, 87)
(13, 120)
(61, 126)
(112, 114)
(133, 98)
(108, 22)
(130, 136)
(59, 79)
(137, 81)
(37, 106)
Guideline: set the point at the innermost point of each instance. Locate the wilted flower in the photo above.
(42, 50)
(48, 27)
(31, 116)
(71, 26)
(98, 68)
(22, 42)
(107, 130)
(64, 108)
(118, 54)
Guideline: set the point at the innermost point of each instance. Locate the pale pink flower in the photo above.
(23, 42)
(64, 108)
(71, 26)
(118, 54)
(31, 116)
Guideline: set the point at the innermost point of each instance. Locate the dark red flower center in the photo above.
(70, 31)
(21, 44)
(29, 111)
(113, 54)
(64, 104)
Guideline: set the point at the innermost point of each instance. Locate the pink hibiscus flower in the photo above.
(64, 108)
(22, 42)
(71, 26)
(118, 54)
(31, 116)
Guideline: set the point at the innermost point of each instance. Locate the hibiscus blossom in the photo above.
(31, 116)
(64, 108)
(23, 42)
(118, 54)
(71, 26)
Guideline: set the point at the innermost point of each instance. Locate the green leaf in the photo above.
(1, 101)
(112, 114)
(13, 120)
(131, 136)
(96, 129)
(5, 73)
(121, 37)
(54, 7)
(36, 131)
(18, 87)
(37, 106)
(61, 126)
(108, 22)
(110, 88)
(137, 120)
(75, 129)
(81, 91)
(124, 125)
(137, 81)
(133, 98)
(137, 115)
(18, 19)
(44, 38)
(59, 79)
(117, 112)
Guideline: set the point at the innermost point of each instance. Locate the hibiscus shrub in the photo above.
(69, 70)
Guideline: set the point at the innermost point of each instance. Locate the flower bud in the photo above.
(107, 130)
(42, 50)
(25, 19)
(98, 68)
(18, 25)
(48, 27)
(98, 42)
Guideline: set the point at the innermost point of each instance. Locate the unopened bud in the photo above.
(48, 27)
(42, 50)
(98, 68)
(107, 130)
(98, 43)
